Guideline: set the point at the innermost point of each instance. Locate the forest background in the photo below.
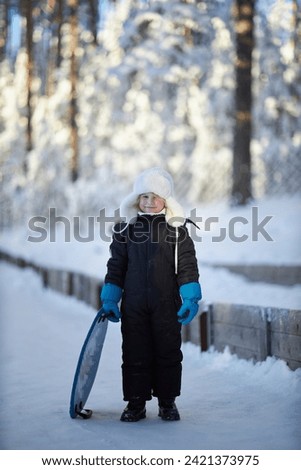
(92, 92)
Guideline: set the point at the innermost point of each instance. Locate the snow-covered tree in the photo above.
(277, 110)
(158, 89)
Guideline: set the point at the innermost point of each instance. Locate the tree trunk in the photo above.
(3, 29)
(59, 19)
(94, 16)
(297, 31)
(55, 51)
(73, 4)
(244, 25)
(26, 9)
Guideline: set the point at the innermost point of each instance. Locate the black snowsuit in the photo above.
(143, 264)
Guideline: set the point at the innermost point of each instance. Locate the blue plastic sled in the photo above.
(87, 366)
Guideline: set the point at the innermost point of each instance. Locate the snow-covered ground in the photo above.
(226, 403)
(219, 285)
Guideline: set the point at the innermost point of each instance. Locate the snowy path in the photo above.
(226, 403)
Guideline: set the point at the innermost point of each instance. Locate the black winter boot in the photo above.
(168, 410)
(134, 411)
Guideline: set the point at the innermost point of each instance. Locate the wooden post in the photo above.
(204, 331)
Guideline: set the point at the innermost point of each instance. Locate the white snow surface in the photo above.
(226, 402)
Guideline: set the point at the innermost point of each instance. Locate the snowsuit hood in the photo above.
(158, 181)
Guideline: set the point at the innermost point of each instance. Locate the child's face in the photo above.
(150, 202)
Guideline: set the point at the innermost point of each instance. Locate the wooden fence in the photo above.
(81, 286)
(281, 274)
(250, 332)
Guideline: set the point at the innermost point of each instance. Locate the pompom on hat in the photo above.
(158, 181)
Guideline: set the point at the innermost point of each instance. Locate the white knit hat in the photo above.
(158, 181)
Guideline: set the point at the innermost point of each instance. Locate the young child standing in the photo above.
(153, 269)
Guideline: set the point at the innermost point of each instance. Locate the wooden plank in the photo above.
(244, 338)
(195, 331)
(52, 278)
(44, 276)
(185, 332)
(285, 321)
(69, 287)
(293, 365)
(236, 314)
(58, 280)
(95, 287)
(283, 275)
(77, 285)
(257, 332)
(242, 328)
(242, 353)
(85, 288)
(192, 331)
(21, 262)
(66, 284)
(204, 330)
(286, 346)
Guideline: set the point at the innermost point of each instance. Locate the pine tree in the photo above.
(73, 20)
(3, 29)
(244, 25)
(26, 8)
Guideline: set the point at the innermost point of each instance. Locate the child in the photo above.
(152, 265)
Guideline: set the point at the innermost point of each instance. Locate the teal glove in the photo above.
(191, 293)
(110, 296)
